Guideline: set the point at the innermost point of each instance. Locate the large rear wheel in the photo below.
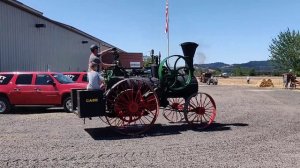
(200, 110)
(132, 105)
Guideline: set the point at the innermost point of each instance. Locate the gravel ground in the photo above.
(254, 128)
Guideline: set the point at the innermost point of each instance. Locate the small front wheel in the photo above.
(67, 103)
(5, 106)
(174, 111)
(200, 110)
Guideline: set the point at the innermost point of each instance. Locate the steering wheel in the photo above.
(117, 70)
(177, 76)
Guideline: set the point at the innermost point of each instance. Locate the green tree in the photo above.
(237, 71)
(218, 71)
(285, 51)
(252, 72)
(147, 61)
(197, 72)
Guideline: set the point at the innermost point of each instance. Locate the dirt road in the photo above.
(255, 127)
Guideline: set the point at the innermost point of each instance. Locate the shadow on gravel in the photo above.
(222, 127)
(35, 110)
(107, 133)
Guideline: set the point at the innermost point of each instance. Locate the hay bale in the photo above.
(265, 83)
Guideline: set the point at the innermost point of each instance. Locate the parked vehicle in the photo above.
(213, 80)
(205, 77)
(224, 75)
(78, 77)
(36, 88)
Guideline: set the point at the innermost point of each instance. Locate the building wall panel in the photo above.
(23, 47)
(55, 47)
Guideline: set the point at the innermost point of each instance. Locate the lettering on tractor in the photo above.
(91, 100)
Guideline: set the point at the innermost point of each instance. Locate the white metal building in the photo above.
(31, 42)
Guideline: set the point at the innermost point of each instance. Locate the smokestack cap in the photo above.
(189, 48)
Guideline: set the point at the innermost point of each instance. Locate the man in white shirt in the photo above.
(96, 81)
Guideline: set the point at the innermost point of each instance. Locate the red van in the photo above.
(36, 88)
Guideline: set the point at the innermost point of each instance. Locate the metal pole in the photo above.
(168, 28)
(168, 44)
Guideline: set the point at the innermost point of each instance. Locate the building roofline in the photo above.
(22, 6)
(37, 13)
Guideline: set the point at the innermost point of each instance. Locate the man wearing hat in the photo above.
(95, 57)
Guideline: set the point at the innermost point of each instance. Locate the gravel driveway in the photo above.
(254, 128)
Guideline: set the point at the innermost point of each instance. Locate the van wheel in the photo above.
(5, 106)
(68, 104)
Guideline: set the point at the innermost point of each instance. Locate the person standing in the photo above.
(284, 80)
(96, 57)
(248, 79)
(289, 79)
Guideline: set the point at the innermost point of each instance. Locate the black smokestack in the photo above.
(189, 49)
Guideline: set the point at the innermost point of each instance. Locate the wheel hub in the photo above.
(127, 106)
(177, 106)
(69, 105)
(133, 107)
(200, 110)
(2, 107)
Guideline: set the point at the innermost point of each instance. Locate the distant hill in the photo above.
(258, 66)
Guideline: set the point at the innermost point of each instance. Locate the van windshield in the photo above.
(62, 78)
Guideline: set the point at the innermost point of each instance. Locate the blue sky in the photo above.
(229, 31)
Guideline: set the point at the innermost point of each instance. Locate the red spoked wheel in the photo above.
(200, 110)
(174, 111)
(133, 106)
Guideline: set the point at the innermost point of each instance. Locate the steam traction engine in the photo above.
(131, 104)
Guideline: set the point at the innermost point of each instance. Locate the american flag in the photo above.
(167, 16)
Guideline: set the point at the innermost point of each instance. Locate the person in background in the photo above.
(248, 79)
(96, 55)
(289, 79)
(284, 80)
(96, 81)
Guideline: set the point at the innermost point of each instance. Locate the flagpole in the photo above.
(168, 42)
(167, 26)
